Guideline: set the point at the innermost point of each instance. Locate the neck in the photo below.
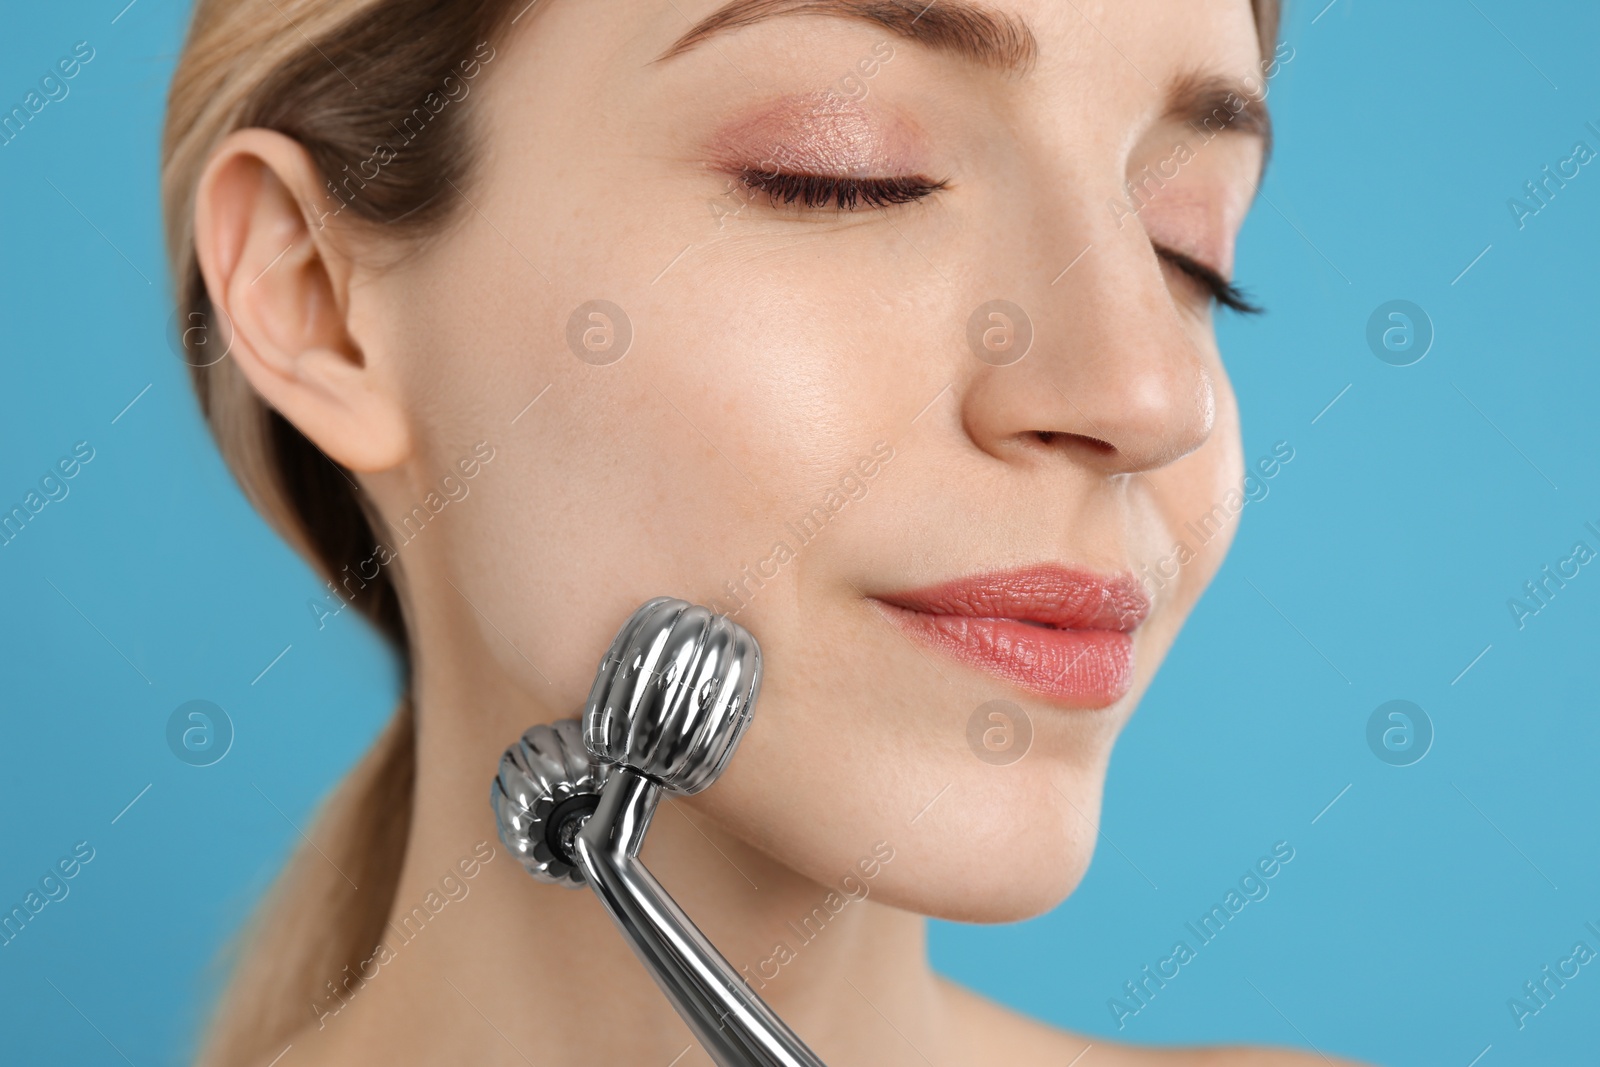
(481, 963)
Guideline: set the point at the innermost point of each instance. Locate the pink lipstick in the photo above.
(1060, 632)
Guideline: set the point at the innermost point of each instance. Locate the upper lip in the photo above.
(1065, 598)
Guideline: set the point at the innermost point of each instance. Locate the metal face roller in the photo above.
(546, 785)
(669, 704)
(673, 695)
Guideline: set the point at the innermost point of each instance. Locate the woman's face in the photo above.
(804, 413)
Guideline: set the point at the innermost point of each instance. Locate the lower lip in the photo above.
(1075, 668)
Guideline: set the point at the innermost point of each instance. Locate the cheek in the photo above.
(734, 410)
(1181, 527)
(1201, 496)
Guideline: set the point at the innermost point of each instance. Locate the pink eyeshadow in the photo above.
(1196, 226)
(818, 133)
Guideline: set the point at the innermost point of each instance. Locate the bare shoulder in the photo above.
(1009, 1037)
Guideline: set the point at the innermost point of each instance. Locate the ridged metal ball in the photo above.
(545, 778)
(674, 694)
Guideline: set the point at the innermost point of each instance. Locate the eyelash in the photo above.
(1222, 291)
(817, 190)
(846, 194)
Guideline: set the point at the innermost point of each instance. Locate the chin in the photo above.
(1013, 843)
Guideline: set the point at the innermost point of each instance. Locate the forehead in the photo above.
(1153, 30)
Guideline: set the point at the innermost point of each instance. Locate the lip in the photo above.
(1060, 632)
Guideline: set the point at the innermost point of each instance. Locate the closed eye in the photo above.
(845, 194)
(848, 194)
(1222, 291)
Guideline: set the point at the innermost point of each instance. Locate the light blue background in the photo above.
(1378, 568)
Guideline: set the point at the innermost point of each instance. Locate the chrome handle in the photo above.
(727, 1017)
(669, 704)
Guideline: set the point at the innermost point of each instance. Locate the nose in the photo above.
(1112, 378)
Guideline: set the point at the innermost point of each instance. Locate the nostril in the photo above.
(1052, 438)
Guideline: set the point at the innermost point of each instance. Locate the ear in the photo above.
(274, 270)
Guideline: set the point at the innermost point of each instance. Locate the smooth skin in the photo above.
(774, 347)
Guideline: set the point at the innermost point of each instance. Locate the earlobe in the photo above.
(275, 270)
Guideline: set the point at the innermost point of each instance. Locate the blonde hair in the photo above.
(341, 77)
(366, 81)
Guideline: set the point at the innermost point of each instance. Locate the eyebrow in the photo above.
(1211, 103)
(955, 27)
(997, 40)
